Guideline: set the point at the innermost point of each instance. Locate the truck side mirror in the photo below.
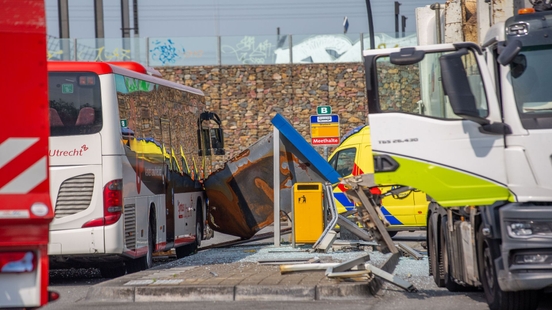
(457, 87)
(509, 52)
(406, 56)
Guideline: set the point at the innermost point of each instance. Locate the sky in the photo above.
(185, 18)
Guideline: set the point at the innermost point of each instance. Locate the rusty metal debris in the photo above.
(241, 194)
(409, 251)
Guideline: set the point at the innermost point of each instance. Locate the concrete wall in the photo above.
(246, 97)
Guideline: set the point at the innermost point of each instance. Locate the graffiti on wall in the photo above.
(54, 55)
(247, 51)
(243, 50)
(166, 51)
(91, 54)
(336, 48)
(104, 54)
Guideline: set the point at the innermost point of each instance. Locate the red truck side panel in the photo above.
(25, 207)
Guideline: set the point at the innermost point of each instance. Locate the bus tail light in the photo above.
(53, 296)
(17, 262)
(112, 205)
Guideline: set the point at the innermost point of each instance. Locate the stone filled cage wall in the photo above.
(246, 97)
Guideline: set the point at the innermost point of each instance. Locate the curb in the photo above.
(243, 281)
(103, 293)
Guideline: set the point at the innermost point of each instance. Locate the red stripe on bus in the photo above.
(184, 240)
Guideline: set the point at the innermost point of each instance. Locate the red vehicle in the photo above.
(25, 206)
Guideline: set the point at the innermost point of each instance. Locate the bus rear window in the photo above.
(75, 104)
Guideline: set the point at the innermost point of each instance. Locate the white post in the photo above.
(276, 156)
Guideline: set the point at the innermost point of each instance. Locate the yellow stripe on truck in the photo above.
(447, 186)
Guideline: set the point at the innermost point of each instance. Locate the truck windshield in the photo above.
(75, 104)
(416, 88)
(530, 72)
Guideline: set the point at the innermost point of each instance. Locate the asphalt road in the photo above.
(73, 286)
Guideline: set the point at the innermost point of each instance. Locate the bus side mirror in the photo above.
(457, 87)
(217, 141)
(210, 140)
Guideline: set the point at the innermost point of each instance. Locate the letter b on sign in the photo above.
(324, 110)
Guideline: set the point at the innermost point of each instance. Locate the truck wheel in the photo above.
(435, 267)
(450, 284)
(144, 262)
(487, 252)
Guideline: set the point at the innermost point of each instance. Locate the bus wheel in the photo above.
(496, 298)
(112, 272)
(199, 224)
(144, 262)
(189, 249)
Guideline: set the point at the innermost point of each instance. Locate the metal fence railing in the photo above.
(225, 50)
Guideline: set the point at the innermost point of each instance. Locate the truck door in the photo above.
(455, 156)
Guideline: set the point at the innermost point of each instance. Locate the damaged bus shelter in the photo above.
(242, 195)
(254, 189)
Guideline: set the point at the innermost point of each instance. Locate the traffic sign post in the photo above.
(325, 130)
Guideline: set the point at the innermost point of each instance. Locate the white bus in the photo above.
(125, 166)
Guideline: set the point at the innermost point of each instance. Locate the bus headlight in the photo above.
(523, 229)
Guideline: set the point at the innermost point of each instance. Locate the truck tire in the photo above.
(435, 263)
(450, 284)
(487, 252)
